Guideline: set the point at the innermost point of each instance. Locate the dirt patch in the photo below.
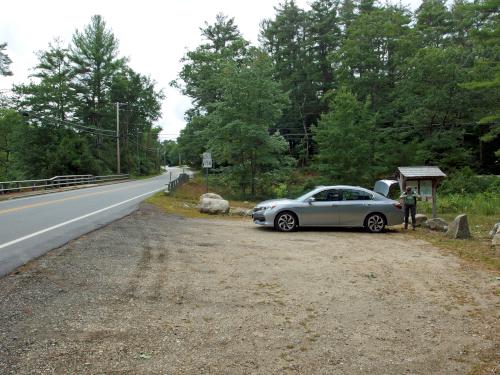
(157, 293)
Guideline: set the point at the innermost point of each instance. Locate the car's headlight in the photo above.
(264, 208)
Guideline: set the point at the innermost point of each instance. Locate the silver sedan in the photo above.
(335, 206)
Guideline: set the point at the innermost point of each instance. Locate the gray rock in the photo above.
(495, 230)
(213, 206)
(211, 196)
(495, 242)
(459, 228)
(420, 219)
(436, 224)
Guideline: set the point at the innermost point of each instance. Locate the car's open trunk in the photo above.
(387, 188)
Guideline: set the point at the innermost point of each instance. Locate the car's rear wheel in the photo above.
(375, 223)
(286, 222)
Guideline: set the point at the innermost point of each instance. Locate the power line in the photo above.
(34, 115)
(142, 147)
(81, 128)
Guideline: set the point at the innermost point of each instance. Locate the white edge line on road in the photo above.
(73, 220)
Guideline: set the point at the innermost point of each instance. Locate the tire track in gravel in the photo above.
(150, 275)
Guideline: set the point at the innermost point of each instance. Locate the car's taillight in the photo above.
(398, 205)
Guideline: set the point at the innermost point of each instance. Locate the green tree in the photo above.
(435, 109)
(485, 73)
(141, 108)
(73, 156)
(239, 123)
(202, 67)
(344, 136)
(170, 152)
(5, 61)
(285, 39)
(48, 100)
(200, 78)
(376, 43)
(10, 125)
(347, 15)
(70, 102)
(94, 57)
(324, 38)
(193, 139)
(433, 23)
(51, 94)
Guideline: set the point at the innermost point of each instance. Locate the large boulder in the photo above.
(211, 196)
(420, 219)
(436, 224)
(459, 228)
(211, 203)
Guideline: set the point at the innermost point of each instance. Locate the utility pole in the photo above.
(138, 155)
(117, 138)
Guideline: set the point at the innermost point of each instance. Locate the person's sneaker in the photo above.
(414, 228)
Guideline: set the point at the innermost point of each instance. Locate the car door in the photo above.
(321, 210)
(354, 207)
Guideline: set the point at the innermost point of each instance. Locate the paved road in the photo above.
(31, 226)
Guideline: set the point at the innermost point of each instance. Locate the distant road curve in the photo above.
(31, 226)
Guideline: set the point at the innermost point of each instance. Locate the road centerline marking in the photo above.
(24, 238)
(40, 204)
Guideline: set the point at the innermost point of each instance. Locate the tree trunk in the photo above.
(252, 171)
(306, 135)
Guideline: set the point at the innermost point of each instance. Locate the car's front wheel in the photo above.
(286, 222)
(375, 223)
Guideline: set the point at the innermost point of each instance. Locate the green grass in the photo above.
(184, 201)
(484, 204)
(483, 211)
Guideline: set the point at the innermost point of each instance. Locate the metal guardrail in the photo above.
(56, 182)
(172, 185)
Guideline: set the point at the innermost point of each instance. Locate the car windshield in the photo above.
(305, 195)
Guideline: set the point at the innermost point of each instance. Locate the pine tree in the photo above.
(94, 57)
(239, 124)
(5, 61)
(345, 141)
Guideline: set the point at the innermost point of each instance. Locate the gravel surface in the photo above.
(159, 294)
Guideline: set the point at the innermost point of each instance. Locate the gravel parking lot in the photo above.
(160, 294)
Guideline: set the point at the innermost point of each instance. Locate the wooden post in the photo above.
(207, 177)
(434, 204)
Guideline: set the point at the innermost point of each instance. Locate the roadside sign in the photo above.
(207, 163)
(207, 160)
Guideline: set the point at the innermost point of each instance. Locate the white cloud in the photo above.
(154, 35)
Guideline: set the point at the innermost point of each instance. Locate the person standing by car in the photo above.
(409, 201)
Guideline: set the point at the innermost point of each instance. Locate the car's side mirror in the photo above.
(310, 200)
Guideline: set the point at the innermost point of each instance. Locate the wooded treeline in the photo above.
(349, 88)
(64, 120)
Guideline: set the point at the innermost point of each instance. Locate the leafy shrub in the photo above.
(473, 204)
(465, 181)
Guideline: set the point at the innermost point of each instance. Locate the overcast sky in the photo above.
(153, 34)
